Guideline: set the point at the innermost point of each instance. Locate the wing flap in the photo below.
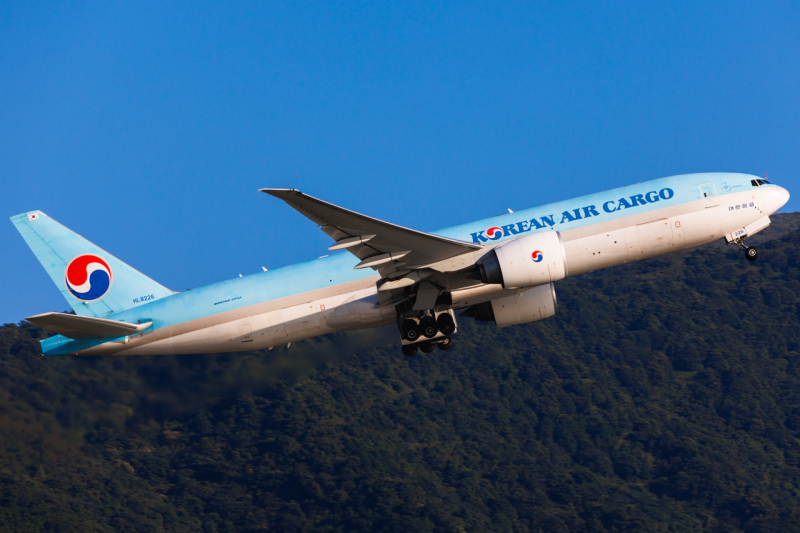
(84, 327)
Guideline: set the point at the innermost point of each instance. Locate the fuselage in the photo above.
(325, 295)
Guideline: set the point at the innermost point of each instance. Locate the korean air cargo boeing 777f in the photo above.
(501, 269)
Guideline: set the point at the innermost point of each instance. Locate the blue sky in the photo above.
(148, 127)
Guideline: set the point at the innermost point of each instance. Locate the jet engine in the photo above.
(525, 306)
(526, 261)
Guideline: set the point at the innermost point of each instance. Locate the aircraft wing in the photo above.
(374, 241)
(84, 327)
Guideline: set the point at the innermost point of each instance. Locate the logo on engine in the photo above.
(537, 256)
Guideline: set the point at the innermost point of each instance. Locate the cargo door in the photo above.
(655, 236)
(245, 334)
(709, 194)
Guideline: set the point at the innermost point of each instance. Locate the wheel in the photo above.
(446, 323)
(751, 253)
(410, 330)
(428, 326)
(427, 347)
(446, 343)
(409, 349)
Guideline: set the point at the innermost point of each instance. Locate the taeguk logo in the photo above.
(537, 256)
(88, 277)
(494, 233)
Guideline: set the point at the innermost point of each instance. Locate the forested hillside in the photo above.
(663, 396)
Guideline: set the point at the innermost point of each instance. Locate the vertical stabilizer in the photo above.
(94, 282)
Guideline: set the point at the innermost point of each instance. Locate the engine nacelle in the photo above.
(526, 262)
(525, 306)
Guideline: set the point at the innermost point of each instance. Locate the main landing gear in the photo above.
(427, 346)
(425, 330)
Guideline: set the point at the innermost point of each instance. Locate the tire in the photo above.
(751, 253)
(427, 347)
(409, 349)
(446, 343)
(427, 326)
(410, 330)
(446, 324)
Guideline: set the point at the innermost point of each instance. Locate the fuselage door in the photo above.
(709, 195)
(245, 334)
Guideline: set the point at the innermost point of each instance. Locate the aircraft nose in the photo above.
(783, 197)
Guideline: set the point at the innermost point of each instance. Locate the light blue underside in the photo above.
(338, 268)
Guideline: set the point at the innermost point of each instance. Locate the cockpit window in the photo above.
(754, 183)
(765, 182)
(759, 182)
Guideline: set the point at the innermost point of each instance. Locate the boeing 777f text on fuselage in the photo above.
(500, 269)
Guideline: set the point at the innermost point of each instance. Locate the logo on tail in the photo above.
(88, 277)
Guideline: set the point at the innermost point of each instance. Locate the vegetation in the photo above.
(664, 396)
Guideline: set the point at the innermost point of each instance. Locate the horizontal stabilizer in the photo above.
(84, 327)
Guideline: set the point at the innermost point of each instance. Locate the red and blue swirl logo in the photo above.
(494, 233)
(88, 277)
(537, 256)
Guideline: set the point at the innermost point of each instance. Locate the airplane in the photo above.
(500, 269)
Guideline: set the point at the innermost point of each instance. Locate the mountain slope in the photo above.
(662, 397)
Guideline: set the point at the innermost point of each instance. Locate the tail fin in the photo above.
(94, 282)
